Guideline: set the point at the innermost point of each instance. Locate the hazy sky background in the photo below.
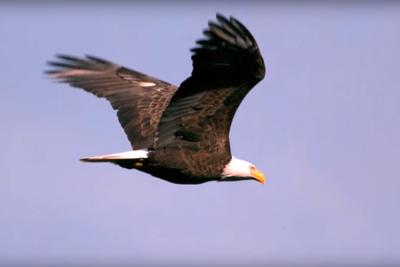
(324, 126)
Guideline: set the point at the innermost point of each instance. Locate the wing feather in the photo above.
(226, 65)
(139, 107)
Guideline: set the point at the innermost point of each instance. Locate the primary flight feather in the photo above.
(179, 134)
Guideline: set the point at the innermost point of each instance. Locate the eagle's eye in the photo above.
(252, 168)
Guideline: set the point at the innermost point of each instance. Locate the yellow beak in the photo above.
(258, 175)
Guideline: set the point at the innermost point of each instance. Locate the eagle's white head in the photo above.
(238, 169)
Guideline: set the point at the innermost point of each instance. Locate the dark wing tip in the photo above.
(98, 60)
(229, 32)
(65, 65)
(89, 62)
(227, 48)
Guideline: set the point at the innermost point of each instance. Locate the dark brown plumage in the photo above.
(139, 109)
(184, 130)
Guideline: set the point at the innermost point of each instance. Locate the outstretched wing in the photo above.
(139, 99)
(226, 65)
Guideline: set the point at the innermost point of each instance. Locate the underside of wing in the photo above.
(139, 99)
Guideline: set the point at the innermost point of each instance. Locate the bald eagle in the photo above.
(179, 134)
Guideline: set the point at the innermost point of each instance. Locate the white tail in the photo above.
(134, 154)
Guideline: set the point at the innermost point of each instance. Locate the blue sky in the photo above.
(324, 126)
